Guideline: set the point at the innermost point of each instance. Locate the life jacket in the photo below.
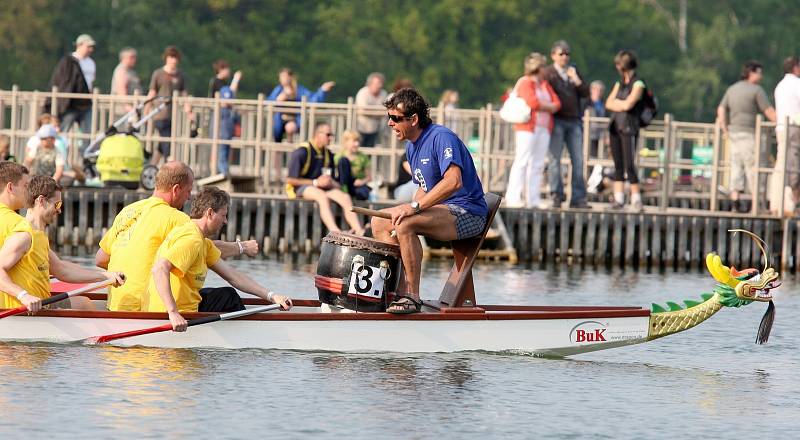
(307, 165)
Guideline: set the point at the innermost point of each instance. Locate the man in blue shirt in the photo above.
(448, 204)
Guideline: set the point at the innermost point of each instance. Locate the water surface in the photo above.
(710, 382)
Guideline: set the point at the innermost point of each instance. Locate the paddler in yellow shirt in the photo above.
(26, 261)
(184, 258)
(131, 243)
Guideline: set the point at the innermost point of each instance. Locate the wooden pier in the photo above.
(671, 239)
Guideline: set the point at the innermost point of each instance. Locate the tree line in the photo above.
(475, 47)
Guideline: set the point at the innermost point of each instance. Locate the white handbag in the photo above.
(515, 110)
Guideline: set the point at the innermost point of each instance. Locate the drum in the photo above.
(357, 273)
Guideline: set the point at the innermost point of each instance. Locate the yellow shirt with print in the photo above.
(32, 272)
(132, 242)
(190, 254)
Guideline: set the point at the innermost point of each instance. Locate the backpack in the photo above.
(307, 165)
(649, 109)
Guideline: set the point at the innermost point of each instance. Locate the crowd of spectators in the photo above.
(556, 92)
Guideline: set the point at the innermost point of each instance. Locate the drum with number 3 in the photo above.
(357, 273)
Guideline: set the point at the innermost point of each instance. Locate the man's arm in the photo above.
(246, 284)
(59, 172)
(12, 251)
(770, 114)
(160, 273)
(230, 249)
(450, 183)
(101, 259)
(74, 273)
(722, 119)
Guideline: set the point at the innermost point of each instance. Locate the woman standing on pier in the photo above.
(532, 137)
(625, 101)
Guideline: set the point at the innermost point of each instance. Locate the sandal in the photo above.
(404, 305)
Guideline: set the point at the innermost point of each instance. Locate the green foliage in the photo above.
(476, 47)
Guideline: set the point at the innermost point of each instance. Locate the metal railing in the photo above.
(678, 160)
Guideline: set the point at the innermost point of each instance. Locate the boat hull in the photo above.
(562, 332)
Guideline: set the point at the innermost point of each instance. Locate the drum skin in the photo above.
(336, 260)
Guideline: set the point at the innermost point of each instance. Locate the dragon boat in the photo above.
(357, 276)
(555, 331)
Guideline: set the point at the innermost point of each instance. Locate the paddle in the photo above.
(167, 327)
(59, 297)
(374, 213)
(371, 212)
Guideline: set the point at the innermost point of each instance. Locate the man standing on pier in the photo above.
(131, 242)
(449, 203)
(736, 116)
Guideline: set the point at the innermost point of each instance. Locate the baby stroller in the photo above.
(117, 157)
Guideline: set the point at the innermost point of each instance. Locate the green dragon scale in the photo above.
(734, 289)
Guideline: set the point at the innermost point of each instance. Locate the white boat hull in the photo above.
(543, 336)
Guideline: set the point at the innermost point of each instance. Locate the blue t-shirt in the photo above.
(433, 152)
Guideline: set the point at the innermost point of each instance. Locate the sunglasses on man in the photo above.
(398, 118)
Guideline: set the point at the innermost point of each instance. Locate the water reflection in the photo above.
(395, 373)
(142, 381)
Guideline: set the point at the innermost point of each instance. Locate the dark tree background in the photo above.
(689, 51)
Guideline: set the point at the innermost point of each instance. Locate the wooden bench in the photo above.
(459, 290)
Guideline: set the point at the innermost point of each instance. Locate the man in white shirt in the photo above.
(84, 47)
(74, 73)
(787, 107)
(372, 94)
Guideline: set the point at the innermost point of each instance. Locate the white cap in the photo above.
(46, 131)
(85, 39)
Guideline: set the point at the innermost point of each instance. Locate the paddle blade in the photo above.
(766, 324)
(94, 340)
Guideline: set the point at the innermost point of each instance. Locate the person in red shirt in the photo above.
(532, 137)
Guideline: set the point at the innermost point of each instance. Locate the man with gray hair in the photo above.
(125, 81)
(570, 88)
(372, 94)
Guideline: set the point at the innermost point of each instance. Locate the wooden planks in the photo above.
(586, 237)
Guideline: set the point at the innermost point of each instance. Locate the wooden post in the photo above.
(667, 175)
(715, 164)
(587, 132)
(173, 144)
(259, 141)
(754, 193)
(53, 100)
(302, 132)
(14, 104)
(215, 126)
(350, 112)
(93, 125)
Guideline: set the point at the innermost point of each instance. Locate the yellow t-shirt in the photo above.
(32, 272)
(132, 242)
(190, 254)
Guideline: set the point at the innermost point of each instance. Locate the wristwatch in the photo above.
(415, 207)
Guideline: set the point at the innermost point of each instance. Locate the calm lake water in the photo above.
(710, 382)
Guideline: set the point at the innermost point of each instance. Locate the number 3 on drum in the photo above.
(366, 281)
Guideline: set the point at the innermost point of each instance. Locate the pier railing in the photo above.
(683, 165)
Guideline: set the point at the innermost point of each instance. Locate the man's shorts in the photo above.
(467, 224)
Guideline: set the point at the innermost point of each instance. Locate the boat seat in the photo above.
(459, 290)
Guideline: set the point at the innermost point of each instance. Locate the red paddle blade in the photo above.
(94, 340)
(12, 312)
